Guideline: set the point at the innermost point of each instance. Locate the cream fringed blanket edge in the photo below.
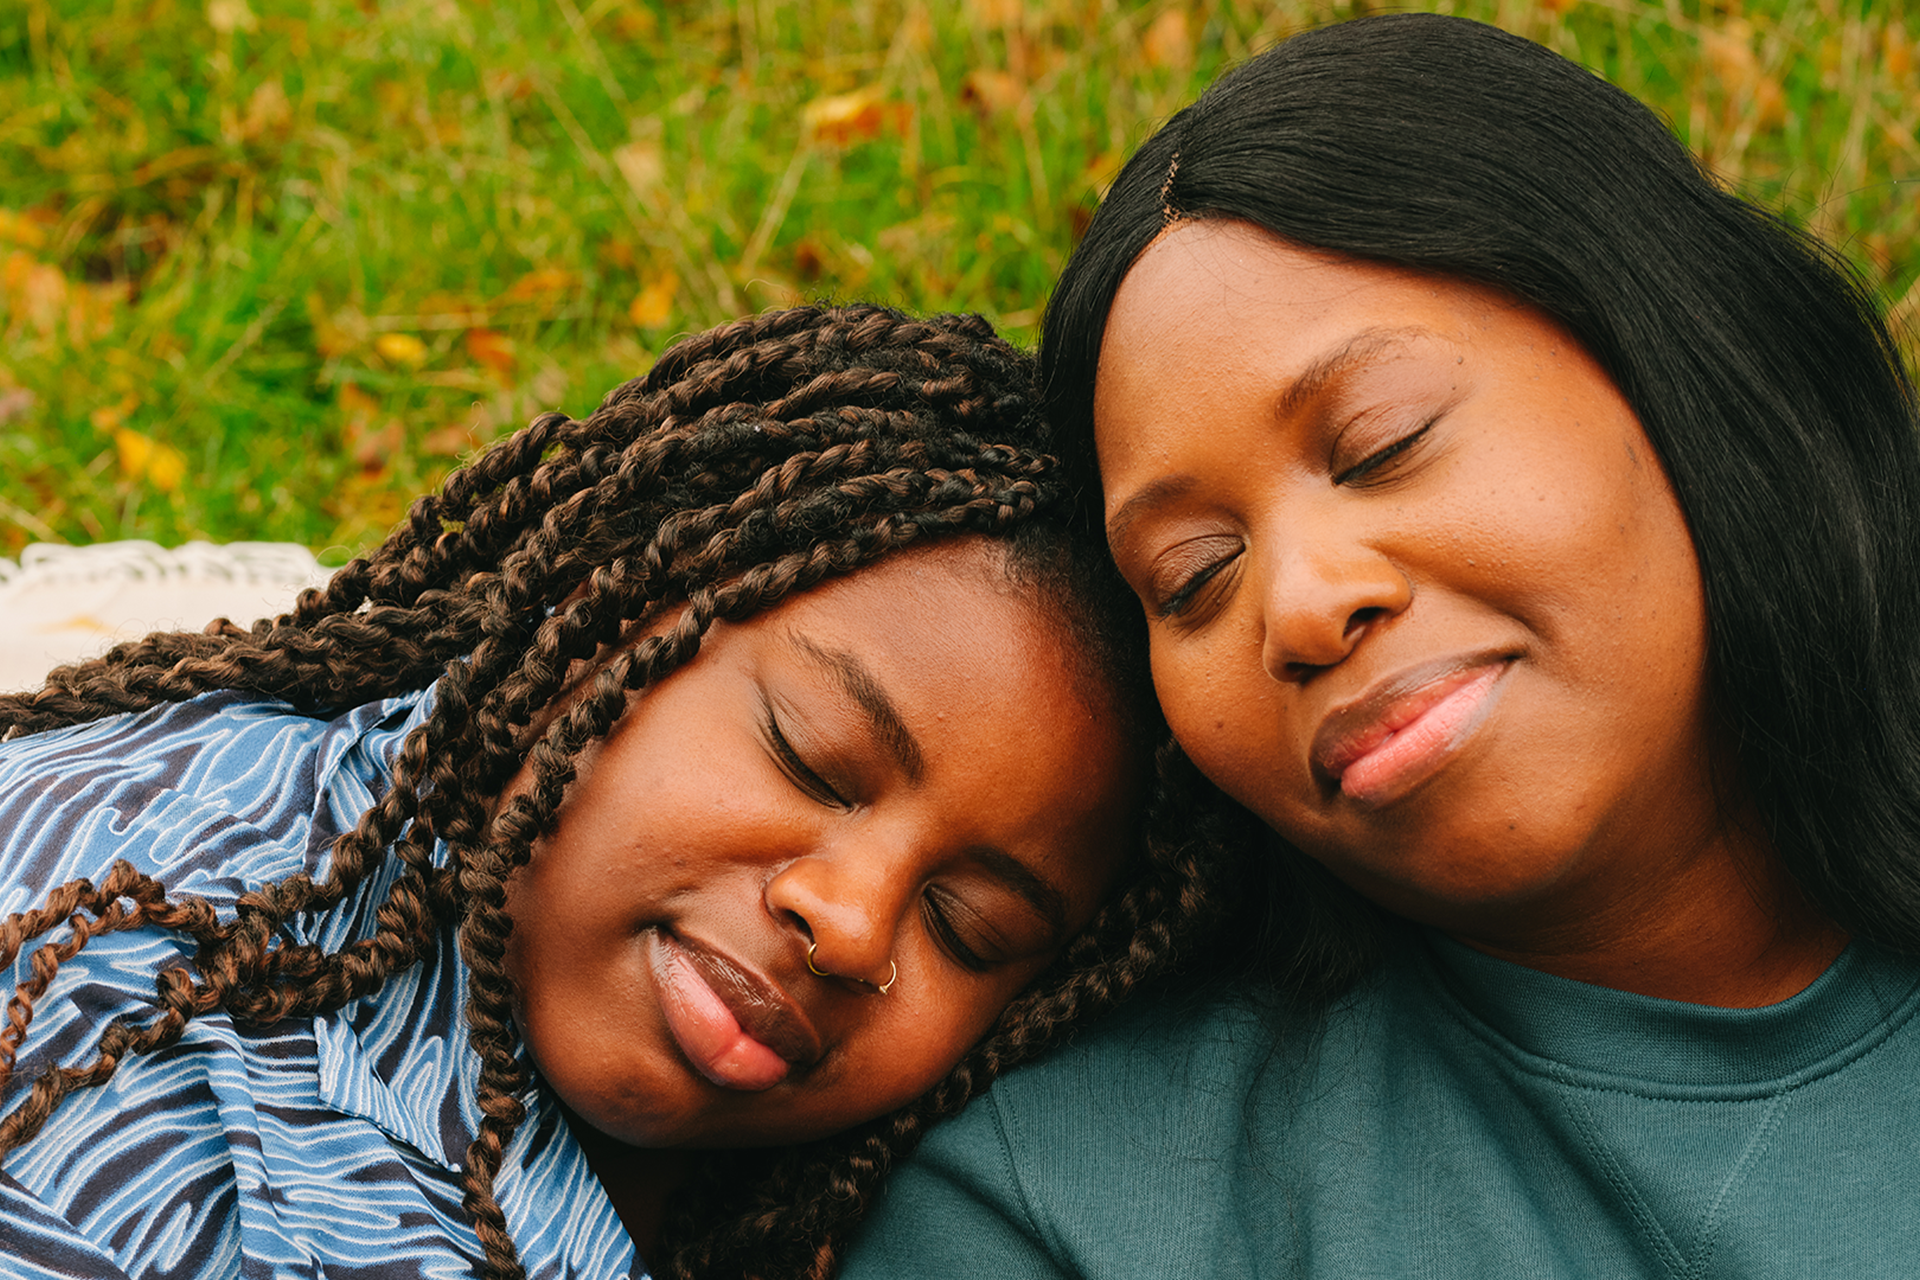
(59, 604)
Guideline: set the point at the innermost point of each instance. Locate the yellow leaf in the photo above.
(20, 230)
(142, 457)
(654, 303)
(401, 348)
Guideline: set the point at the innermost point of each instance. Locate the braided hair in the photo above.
(752, 462)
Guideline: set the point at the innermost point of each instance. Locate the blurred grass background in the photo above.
(268, 268)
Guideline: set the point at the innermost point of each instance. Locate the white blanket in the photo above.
(59, 604)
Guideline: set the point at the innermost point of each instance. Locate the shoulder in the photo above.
(221, 790)
(1107, 1158)
(1176, 1137)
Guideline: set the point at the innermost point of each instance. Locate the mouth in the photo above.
(736, 1027)
(1397, 735)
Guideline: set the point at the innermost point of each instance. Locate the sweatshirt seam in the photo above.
(1037, 1225)
(1863, 1046)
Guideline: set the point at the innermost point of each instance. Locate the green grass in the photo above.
(268, 268)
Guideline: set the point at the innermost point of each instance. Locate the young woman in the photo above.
(1526, 530)
(707, 774)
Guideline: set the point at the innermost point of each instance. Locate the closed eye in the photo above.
(1175, 604)
(1372, 463)
(793, 766)
(937, 909)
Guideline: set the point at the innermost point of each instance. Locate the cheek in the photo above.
(1226, 713)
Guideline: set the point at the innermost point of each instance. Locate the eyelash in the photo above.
(796, 768)
(949, 937)
(1374, 461)
(1177, 601)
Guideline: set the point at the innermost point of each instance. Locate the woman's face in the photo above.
(905, 771)
(1419, 592)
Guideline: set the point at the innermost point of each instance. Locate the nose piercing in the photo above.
(893, 971)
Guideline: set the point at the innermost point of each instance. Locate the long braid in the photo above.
(754, 461)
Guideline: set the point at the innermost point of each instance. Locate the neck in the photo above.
(637, 1181)
(1732, 930)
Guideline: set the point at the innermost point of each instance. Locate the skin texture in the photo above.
(691, 825)
(1421, 596)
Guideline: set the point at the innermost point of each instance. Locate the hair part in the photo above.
(1756, 360)
(754, 461)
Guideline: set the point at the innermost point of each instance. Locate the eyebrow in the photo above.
(870, 696)
(1362, 348)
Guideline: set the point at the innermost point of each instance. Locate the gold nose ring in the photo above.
(893, 971)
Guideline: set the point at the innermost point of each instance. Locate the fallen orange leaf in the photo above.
(842, 118)
(990, 89)
(1168, 42)
(541, 282)
(109, 416)
(1897, 46)
(356, 402)
(449, 441)
(654, 303)
(493, 351)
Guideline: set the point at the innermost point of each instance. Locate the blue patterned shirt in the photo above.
(328, 1147)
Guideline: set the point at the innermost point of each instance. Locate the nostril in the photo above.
(1360, 619)
(794, 920)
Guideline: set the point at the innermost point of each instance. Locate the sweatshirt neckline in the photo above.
(1863, 995)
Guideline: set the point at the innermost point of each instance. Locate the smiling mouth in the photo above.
(1379, 748)
(738, 1029)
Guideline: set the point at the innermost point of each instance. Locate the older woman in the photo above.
(1526, 529)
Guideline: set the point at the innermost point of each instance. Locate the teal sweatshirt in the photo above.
(1458, 1117)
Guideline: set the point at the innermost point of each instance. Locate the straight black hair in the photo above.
(1757, 362)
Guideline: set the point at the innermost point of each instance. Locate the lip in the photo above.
(1397, 734)
(736, 1026)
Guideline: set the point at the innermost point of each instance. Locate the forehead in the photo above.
(987, 684)
(1221, 317)
(951, 605)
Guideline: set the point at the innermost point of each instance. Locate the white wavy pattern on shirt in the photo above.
(246, 1152)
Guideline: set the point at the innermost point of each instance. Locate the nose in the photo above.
(1320, 599)
(844, 906)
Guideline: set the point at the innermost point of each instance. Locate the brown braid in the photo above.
(754, 461)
